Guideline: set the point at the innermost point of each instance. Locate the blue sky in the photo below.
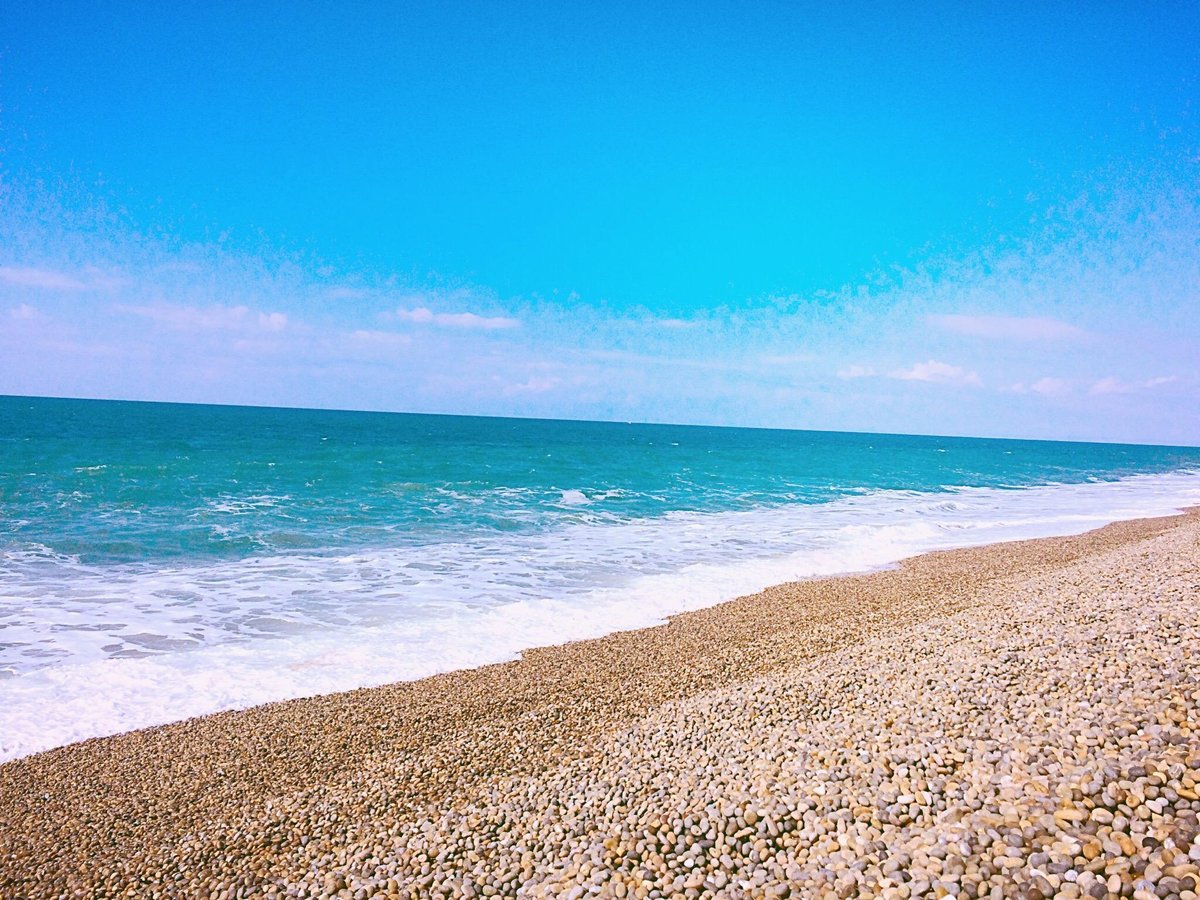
(962, 218)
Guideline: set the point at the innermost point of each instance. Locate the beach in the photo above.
(599, 451)
(1012, 720)
(161, 562)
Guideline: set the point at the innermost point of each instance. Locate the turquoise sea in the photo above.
(161, 560)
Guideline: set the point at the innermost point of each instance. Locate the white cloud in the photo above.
(785, 359)
(936, 371)
(191, 318)
(422, 315)
(44, 279)
(206, 318)
(343, 292)
(275, 321)
(1162, 379)
(856, 371)
(91, 278)
(24, 312)
(470, 320)
(382, 338)
(1050, 386)
(1014, 328)
(1110, 385)
(537, 384)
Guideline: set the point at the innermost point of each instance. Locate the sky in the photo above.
(947, 218)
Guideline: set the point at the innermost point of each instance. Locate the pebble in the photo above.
(1013, 721)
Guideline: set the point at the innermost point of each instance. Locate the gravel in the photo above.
(1021, 720)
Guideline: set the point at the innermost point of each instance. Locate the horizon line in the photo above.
(452, 415)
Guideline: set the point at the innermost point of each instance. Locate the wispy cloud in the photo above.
(24, 312)
(1050, 386)
(1047, 387)
(675, 324)
(938, 372)
(751, 365)
(422, 315)
(1160, 380)
(785, 359)
(206, 318)
(856, 371)
(381, 338)
(90, 278)
(344, 292)
(272, 321)
(42, 279)
(537, 384)
(1112, 385)
(1009, 328)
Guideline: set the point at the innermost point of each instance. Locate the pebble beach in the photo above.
(1017, 720)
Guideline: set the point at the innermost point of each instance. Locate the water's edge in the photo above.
(58, 705)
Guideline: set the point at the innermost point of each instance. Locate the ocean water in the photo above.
(159, 561)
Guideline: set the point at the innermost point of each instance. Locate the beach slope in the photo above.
(1013, 720)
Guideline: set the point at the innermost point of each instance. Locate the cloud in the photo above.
(382, 338)
(747, 365)
(422, 315)
(785, 359)
(856, 371)
(190, 317)
(1111, 385)
(43, 279)
(537, 384)
(1162, 379)
(1049, 386)
(935, 371)
(1013, 328)
(24, 313)
(206, 318)
(343, 292)
(92, 278)
(275, 321)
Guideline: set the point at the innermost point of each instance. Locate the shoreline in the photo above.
(259, 797)
(712, 558)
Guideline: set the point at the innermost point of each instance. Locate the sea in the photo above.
(162, 561)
